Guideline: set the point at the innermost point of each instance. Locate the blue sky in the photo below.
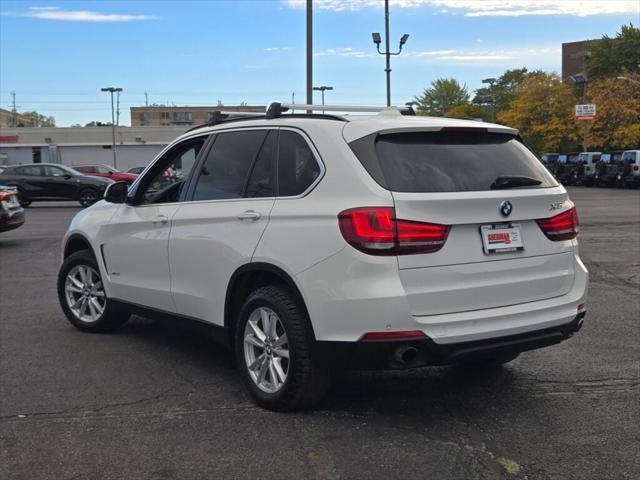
(56, 55)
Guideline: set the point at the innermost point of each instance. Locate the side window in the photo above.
(224, 172)
(165, 181)
(261, 181)
(30, 171)
(297, 166)
(99, 169)
(50, 171)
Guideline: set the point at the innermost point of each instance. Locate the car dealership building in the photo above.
(135, 146)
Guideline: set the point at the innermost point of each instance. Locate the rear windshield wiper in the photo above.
(505, 181)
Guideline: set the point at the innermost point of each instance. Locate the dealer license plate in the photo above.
(501, 238)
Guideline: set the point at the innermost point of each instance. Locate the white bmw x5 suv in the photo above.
(312, 242)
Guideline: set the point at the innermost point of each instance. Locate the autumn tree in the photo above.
(543, 112)
(469, 110)
(442, 95)
(617, 124)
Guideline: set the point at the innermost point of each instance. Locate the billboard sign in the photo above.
(586, 111)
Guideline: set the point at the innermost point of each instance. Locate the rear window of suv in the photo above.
(447, 161)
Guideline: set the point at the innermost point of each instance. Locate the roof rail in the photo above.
(277, 109)
(218, 117)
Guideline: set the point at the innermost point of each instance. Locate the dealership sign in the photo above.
(586, 112)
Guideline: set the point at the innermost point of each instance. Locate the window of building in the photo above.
(164, 115)
(144, 119)
(182, 118)
(225, 171)
(297, 166)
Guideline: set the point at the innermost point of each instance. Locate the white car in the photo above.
(313, 242)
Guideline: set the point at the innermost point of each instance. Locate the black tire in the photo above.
(111, 317)
(88, 196)
(308, 377)
(492, 361)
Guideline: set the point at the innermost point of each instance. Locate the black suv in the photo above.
(46, 181)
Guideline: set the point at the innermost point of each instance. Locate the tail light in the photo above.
(376, 231)
(564, 226)
(408, 335)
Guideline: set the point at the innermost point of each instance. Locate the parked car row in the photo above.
(47, 181)
(600, 169)
(11, 213)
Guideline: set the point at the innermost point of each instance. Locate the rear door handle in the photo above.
(160, 220)
(250, 215)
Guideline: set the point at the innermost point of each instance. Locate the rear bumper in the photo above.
(11, 221)
(382, 355)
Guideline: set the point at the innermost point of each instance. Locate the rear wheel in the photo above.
(88, 197)
(82, 296)
(275, 351)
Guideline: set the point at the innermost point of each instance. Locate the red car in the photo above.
(106, 171)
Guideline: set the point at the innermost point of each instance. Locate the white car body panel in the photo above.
(208, 244)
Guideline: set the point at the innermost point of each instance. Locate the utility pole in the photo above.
(146, 99)
(111, 90)
(14, 112)
(118, 109)
(492, 95)
(387, 53)
(309, 53)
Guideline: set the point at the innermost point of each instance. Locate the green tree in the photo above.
(442, 95)
(39, 120)
(504, 89)
(610, 56)
(543, 112)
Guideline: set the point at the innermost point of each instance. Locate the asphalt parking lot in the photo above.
(157, 401)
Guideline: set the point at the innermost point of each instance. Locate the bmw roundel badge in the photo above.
(506, 208)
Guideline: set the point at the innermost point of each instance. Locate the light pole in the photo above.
(491, 81)
(387, 53)
(322, 89)
(112, 90)
(630, 80)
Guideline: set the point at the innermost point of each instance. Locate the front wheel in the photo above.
(88, 197)
(82, 296)
(275, 351)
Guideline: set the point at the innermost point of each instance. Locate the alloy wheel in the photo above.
(84, 293)
(266, 350)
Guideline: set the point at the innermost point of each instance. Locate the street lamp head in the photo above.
(489, 80)
(404, 39)
(111, 89)
(376, 38)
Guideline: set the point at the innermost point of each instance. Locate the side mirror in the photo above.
(116, 192)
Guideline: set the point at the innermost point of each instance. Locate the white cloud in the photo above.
(55, 13)
(343, 52)
(277, 49)
(434, 53)
(543, 55)
(482, 8)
